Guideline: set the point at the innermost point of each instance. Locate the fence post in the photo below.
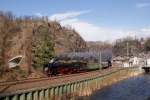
(41, 95)
(35, 95)
(47, 94)
(22, 97)
(15, 97)
(60, 90)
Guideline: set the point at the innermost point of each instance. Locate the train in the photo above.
(63, 68)
(55, 68)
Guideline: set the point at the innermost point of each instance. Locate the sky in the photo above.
(95, 20)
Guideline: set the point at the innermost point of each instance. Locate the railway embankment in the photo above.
(66, 87)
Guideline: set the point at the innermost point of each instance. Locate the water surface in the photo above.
(135, 88)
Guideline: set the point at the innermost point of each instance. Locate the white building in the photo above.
(126, 64)
(134, 61)
(147, 62)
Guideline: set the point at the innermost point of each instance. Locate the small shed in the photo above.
(15, 61)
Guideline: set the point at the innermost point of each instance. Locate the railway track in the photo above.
(42, 79)
(8, 87)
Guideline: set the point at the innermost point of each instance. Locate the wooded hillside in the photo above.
(36, 39)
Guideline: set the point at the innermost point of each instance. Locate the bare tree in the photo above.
(6, 33)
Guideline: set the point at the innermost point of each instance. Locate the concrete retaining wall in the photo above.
(75, 90)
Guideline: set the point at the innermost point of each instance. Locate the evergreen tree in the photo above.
(42, 47)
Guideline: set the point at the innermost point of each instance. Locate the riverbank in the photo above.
(134, 88)
(109, 80)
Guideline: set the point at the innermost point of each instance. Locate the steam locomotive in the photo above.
(62, 67)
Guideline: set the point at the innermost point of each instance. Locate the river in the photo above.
(135, 88)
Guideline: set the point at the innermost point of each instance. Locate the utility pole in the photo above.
(127, 49)
(100, 59)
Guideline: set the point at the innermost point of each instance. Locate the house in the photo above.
(147, 62)
(134, 61)
(127, 61)
(121, 61)
(118, 60)
(126, 64)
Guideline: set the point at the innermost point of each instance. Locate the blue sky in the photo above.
(93, 19)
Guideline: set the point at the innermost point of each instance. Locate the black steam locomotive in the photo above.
(61, 67)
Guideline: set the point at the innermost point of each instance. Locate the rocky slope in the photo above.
(65, 39)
